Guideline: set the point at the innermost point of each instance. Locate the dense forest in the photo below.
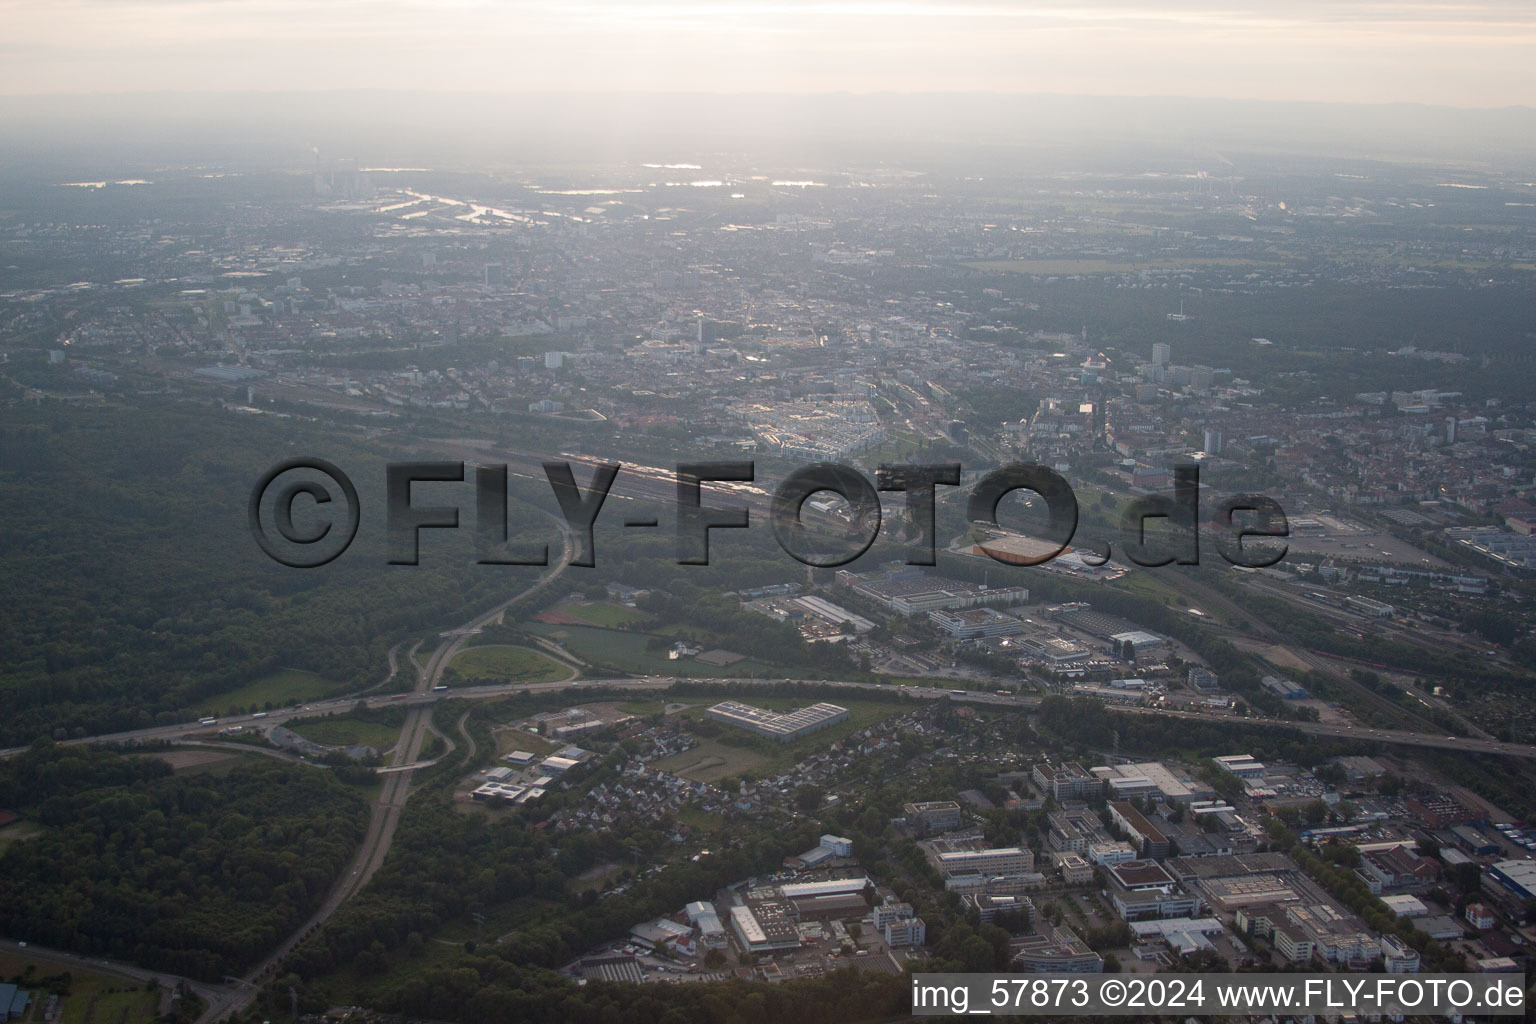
(144, 593)
(197, 874)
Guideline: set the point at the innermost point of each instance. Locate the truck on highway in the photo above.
(207, 721)
(439, 688)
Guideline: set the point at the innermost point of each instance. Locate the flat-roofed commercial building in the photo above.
(1005, 860)
(1518, 876)
(1398, 957)
(829, 887)
(836, 614)
(763, 928)
(914, 593)
(1055, 951)
(1241, 765)
(1111, 853)
(988, 907)
(1074, 869)
(703, 917)
(995, 885)
(930, 816)
(841, 906)
(1139, 639)
(1145, 836)
(1176, 789)
(1054, 649)
(970, 623)
(783, 727)
(906, 931)
(1141, 890)
(1064, 782)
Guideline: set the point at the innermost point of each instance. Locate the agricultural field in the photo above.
(509, 739)
(288, 686)
(712, 759)
(506, 664)
(195, 761)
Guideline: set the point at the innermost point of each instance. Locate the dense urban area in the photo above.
(610, 785)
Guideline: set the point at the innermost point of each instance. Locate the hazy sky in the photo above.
(1460, 54)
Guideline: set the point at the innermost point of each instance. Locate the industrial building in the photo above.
(1054, 650)
(764, 928)
(1139, 639)
(703, 917)
(970, 623)
(837, 615)
(783, 727)
(830, 847)
(1241, 765)
(1182, 934)
(1517, 877)
(1283, 688)
(1146, 777)
(909, 591)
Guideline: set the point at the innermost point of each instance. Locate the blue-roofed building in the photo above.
(14, 1001)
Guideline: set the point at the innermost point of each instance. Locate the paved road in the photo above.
(44, 955)
(394, 790)
(395, 786)
(192, 732)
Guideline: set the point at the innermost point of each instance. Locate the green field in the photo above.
(279, 689)
(711, 759)
(644, 708)
(507, 664)
(117, 1000)
(344, 731)
(696, 816)
(604, 614)
(627, 653)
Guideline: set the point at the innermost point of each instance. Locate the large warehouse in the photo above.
(781, 726)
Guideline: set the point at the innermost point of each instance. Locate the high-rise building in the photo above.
(1162, 354)
(495, 275)
(1212, 441)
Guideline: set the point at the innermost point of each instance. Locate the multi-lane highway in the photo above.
(385, 812)
(191, 731)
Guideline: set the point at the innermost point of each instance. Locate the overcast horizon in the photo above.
(1466, 56)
